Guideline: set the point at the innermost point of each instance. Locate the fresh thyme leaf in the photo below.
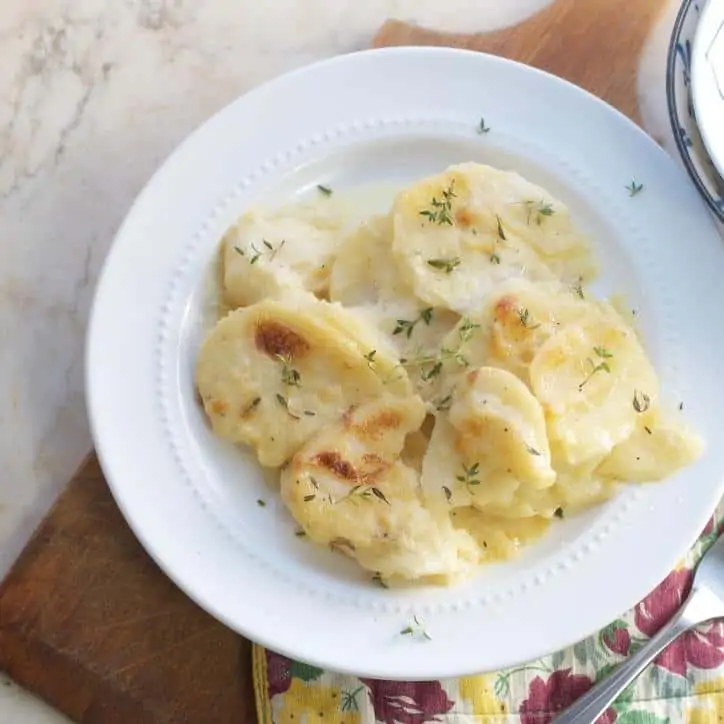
(501, 233)
(310, 413)
(494, 259)
(377, 578)
(239, 251)
(308, 498)
(578, 289)
(448, 493)
(482, 128)
(261, 503)
(282, 401)
(434, 371)
(532, 450)
(601, 353)
(648, 430)
(406, 326)
(524, 317)
(466, 329)
(641, 401)
(634, 188)
(326, 190)
(537, 211)
(558, 512)
(469, 475)
(300, 533)
(314, 483)
(681, 406)
(370, 357)
(259, 253)
(252, 406)
(379, 495)
(440, 210)
(290, 376)
(444, 404)
(416, 629)
(446, 265)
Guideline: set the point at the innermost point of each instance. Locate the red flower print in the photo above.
(408, 702)
(279, 673)
(546, 699)
(703, 648)
(661, 604)
(615, 637)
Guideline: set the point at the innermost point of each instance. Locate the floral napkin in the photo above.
(684, 686)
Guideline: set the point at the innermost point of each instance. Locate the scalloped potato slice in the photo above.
(501, 425)
(271, 375)
(524, 316)
(362, 271)
(660, 445)
(451, 479)
(491, 451)
(499, 538)
(270, 255)
(586, 376)
(348, 487)
(458, 235)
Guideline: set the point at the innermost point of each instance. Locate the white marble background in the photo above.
(93, 95)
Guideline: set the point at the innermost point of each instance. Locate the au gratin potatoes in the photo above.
(436, 385)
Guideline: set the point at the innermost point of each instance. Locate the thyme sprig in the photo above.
(440, 210)
(255, 254)
(634, 188)
(416, 629)
(407, 326)
(465, 332)
(537, 211)
(601, 353)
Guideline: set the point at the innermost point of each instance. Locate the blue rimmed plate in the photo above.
(681, 108)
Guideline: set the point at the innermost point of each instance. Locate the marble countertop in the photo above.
(93, 95)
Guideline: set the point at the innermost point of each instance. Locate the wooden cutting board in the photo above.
(87, 620)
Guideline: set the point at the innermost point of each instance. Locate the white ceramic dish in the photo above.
(707, 80)
(683, 120)
(391, 116)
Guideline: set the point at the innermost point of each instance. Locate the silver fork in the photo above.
(704, 603)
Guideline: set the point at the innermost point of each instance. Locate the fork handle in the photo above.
(599, 697)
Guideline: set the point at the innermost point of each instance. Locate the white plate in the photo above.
(707, 79)
(391, 116)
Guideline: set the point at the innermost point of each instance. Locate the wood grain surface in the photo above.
(87, 620)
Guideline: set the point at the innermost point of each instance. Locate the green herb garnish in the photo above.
(416, 629)
(641, 401)
(440, 211)
(537, 211)
(406, 326)
(634, 188)
(469, 475)
(602, 354)
(446, 265)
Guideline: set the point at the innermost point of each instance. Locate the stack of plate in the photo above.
(695, 95)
